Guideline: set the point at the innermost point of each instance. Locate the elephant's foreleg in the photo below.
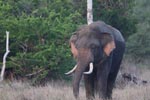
(112, 77)
(89, 86)
(110, 86)
(102, 76)
(116, 62)
(102, 87)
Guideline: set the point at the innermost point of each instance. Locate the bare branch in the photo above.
(4, 57)
(34, 73)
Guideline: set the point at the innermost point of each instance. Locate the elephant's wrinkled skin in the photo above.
(102, 45)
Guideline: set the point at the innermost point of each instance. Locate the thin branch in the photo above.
(34, 73)
(4, 57)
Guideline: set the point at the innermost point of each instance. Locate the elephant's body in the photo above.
(90, 42)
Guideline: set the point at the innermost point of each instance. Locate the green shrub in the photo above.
(40, 30)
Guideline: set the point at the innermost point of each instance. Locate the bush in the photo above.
(139, 43)
(40, 30)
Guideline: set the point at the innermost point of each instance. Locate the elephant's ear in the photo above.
(108, 43)
(73, 46)
(73, 38)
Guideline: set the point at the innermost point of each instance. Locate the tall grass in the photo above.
(61, 91)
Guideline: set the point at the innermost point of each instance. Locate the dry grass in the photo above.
(132, 93)
(22, 91)
(60, 91)
(63, 91)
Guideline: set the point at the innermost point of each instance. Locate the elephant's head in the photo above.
(88, 45)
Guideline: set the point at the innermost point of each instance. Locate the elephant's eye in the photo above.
(92, 46)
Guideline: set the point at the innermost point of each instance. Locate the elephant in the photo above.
(98, 49)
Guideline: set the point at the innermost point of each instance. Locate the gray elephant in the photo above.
(98, 49)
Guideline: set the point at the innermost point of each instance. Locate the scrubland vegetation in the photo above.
(39, 35)
(61, 91)
(40, 31)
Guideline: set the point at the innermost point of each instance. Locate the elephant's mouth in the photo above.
(75, 67)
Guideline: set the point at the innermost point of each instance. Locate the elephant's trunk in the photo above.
(77, 77)
(84, 59)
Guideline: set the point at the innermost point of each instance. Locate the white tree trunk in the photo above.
(4, 57)
(89, 12)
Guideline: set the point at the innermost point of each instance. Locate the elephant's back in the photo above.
(102, 27)
(117, 34)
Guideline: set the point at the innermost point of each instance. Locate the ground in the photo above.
(63, 91)
(60, 91)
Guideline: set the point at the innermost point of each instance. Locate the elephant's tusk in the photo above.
(91, 69)
(71, 71)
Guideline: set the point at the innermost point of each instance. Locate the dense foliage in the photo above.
(39, 33)
(116, 13)
(139, 43)
(40, 30)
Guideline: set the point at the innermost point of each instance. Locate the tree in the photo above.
(40, 30)
(89, 11)
(39, 36)
(116, 13)
(139, 43)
